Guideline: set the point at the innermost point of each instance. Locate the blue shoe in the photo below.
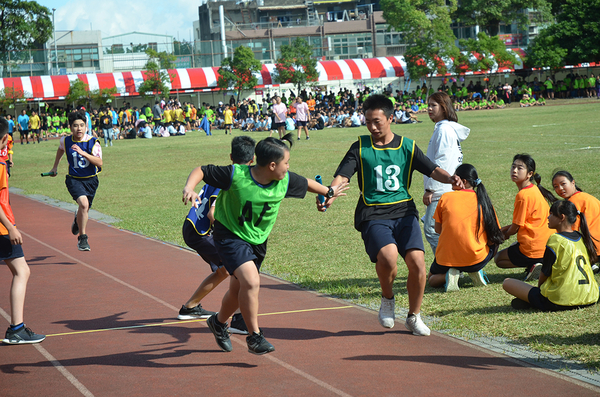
(479, 278)
(452, 277)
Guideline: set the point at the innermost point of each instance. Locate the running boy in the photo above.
(84, 154)
(12, 254)
(197, 234)
(386, 214)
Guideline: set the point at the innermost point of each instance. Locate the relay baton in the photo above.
(48, 173)
(320, 196)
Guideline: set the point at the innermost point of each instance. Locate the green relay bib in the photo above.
(247, 209)
(385, 172)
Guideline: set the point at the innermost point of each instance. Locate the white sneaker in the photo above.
(452, 277)
(386, 312)
(479, 278)
(416, 325)
(534, 272)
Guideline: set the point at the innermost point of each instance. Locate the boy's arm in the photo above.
(195, 177)
(94, 160)
(336, 182)
(59, 154)
(13, 234)
(442, 176)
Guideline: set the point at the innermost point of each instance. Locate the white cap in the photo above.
(220, 103)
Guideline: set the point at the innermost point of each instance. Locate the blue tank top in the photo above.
(79, 166)
(198, 215)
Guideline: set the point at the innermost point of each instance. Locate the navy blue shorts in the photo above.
(78, 187)
(519, 259)
(9, 251)
(404, 232)
(441, 269)
(300, 123)
(540, 302)
(277, 126)
(234, 252)
(203, 245)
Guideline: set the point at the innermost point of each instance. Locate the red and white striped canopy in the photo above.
(197, 79)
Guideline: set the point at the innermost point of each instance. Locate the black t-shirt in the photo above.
(350, 165)
(243, 111)
(222, 176)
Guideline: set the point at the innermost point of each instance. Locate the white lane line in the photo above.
(65, 372)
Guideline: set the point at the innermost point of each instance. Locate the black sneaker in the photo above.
(257, 344)
(75, 226)
(238, 325)
(194, 312)
(221, 333)
(21, 336)
(307, 138)
(519, 304)
(82, 243)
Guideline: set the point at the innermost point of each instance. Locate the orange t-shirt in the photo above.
(531, 215)
(7, 149)
(311, 104)
(590, 207)
(4, 202)
(458, 246)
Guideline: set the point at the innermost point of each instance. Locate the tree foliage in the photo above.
(489, 14)
(157, 77)
(489, 53)
(572, 40)
(425, 27)
(238, 71)
(23, 24)
(10, 96)
(103, 96)
(79, 93)
(296, 64)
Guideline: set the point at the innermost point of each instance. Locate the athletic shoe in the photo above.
(82, 243)
(595, 268)
(298, 138)
(238, 325)
(534, 272)
(194, 312)
(257, 344)
(21, 336)
(221, 333)
(479, 278)
(75, 226)
(386, 312)
(519, 304)
(307, 138)
(416, 325)
(452, 276)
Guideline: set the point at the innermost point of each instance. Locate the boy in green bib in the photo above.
(245, 214)
(386, 214)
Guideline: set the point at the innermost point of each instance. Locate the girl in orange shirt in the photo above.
(469, 232)
(564, 185)
(529, 220)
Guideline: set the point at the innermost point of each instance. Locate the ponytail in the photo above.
(545, 192)
(485, 208)
(569, 210)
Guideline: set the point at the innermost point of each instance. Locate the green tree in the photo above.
(425, 27)
(10, 96)
(79, 93)
(23, 24)
(296, 64)
(238, 71)
(103, 96)
(489, 14)
(157, 77)
(572, 40)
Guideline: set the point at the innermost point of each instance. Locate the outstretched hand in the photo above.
(338, 190)
(189, 195)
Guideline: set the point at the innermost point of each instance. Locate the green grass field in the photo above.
(142, 183)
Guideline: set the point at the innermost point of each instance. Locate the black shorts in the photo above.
(9, 251)
(404, 232)
(234, 252)
(540, 302)
(35, 131)
(519, 259)
(441, 269)
(78, 187)
(24, 133)
(277, 126)
(300, 123)
(204, 245)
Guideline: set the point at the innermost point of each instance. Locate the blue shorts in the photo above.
(540, 302)
(78, 187)
(404, 232)
(441, 269)
(519, 259)
(203, 245)
(9, 251)
(234, 252)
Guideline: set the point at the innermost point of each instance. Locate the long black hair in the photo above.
(567, 175)
(485, 208)
(272, 150)
(530, 164)
(569, 210)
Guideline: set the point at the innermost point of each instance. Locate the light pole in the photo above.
(55, 51)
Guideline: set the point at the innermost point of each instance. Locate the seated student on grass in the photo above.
(529, 220)
(386, 214)
(564, 185)
(197, 234)
(567, 280)
(469, 232)
(245, 214)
